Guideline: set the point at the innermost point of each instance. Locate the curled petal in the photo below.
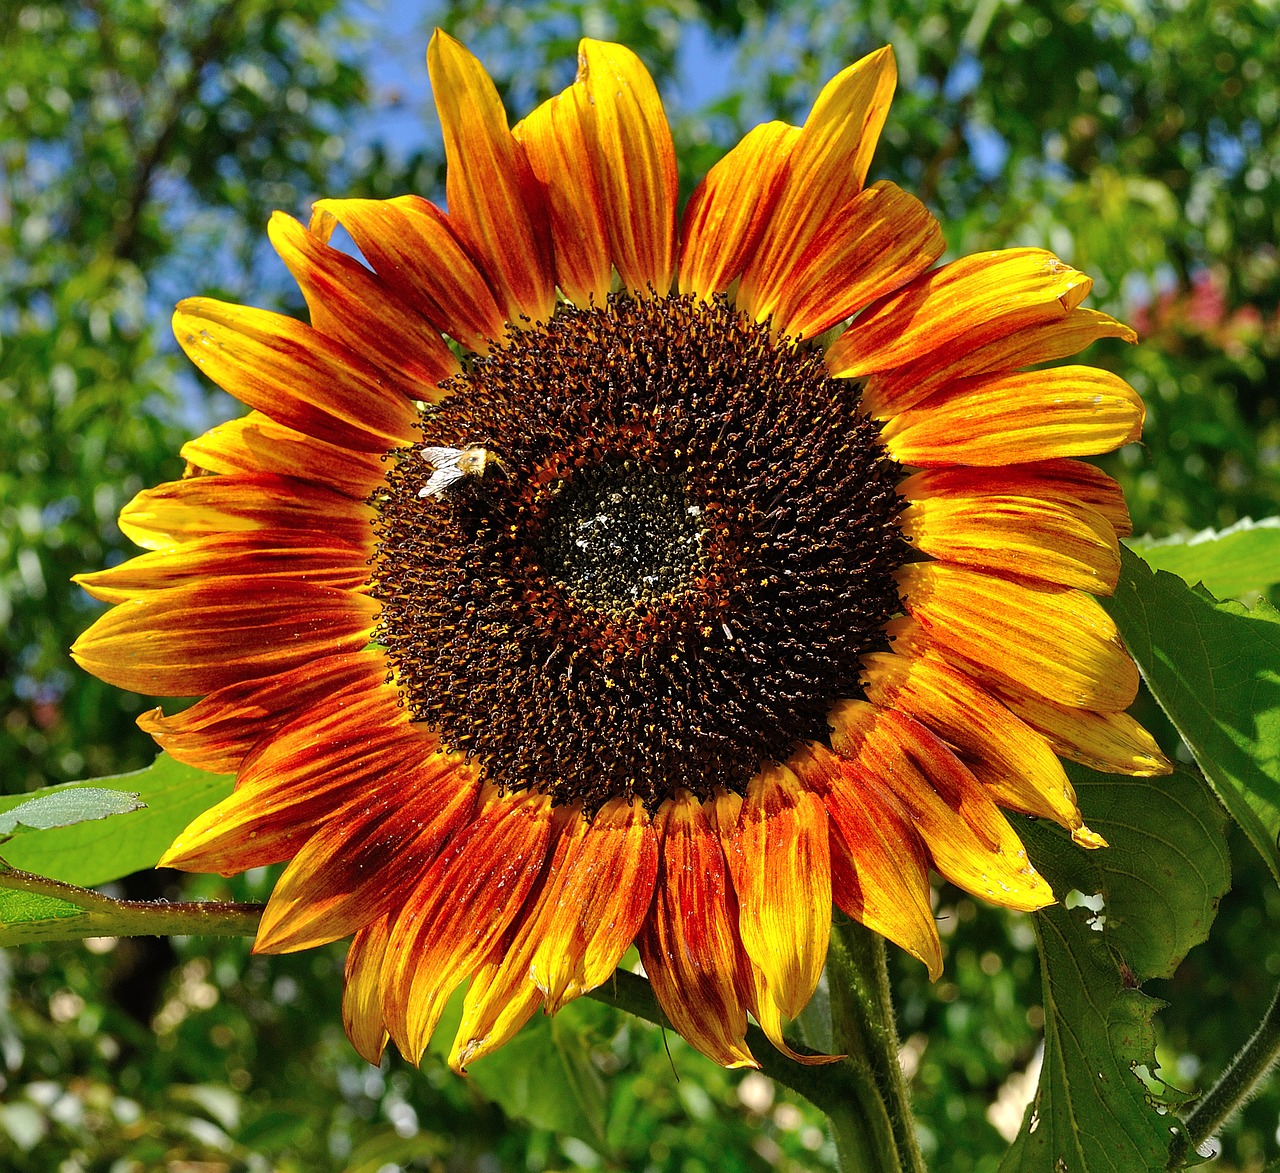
(459, 910)
(1044, 340)
(879, 867)
(970, 841)
(727, 214)
(1068, 482)
(828, 168)
(413, 247)
(876, 243)
(689, 945)
(1070, 545)
(1056, 642)
(361, 995)
(217, 733)
(354, 307)
(635, 163)
(498, 1002)
(1007, 419)
(1016, 765)
(599, 890)
(296, 375)
(967, 303)
(257, 445)
(189, 640)
(491, 191)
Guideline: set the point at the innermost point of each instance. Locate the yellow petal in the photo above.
(361, 996)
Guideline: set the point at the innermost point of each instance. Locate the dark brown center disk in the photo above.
(662, 570)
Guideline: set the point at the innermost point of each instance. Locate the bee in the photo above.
(450, 465)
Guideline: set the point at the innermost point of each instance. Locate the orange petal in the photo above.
(1014, 763)
(459, 910)
(780, 862)
(1007, 419)
(689, 944)
(295, 374)
(216, 733)
(315, 558)
(827, 169)
(1071, 545)
(1046, 340)
(208, 507)
(600, 888)
(879, 869)
(257, 444)
(491, 191)
(1056, 642)
(498, 1002)
(634, 162)
(355, 308)
(1113, 742)
(189, 640)
(876, 243)
(970, 841)
(361, 995)
(562, 161)
(1065, 481)
(726, 216)
(963, 305)
(412, 246)
(354, 744)
(360, 861)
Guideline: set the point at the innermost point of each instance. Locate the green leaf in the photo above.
(96, 852)
(65, 807)
(1215, 670)
(1230, 562)
(1160, 881)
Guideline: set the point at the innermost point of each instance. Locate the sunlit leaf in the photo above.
(66, 806)
(1230, 562)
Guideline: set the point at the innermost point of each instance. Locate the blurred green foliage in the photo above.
(143, 145)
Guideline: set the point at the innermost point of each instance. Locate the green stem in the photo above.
(873, 1128)
(96, 915)
(1234, 1088)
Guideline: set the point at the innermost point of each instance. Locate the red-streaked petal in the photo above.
(1070, 545)
(459, 910)
(1113, 742)
(217, 733)
(359, 863)
(1057, 642)
(1008, 419)
(491, 191)
(296, 375)
(780, 862)
(355, 308)
(362, 994)
(959, 307)
(635, 163)
(412, 246)
(1065, 481)
(970, 841)
(600, 888)
(1014, 763)
(256, 444)
(876, 243)
(206, 507)
(189, 640)
(827, 169)
(316, 558)
(1047, 340)
(355, 744)
(562, 161)
(727, 214)
(689, 944)
(879, 868)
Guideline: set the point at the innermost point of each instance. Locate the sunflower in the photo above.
(587, 575)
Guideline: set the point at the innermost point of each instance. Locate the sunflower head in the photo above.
(591, 573)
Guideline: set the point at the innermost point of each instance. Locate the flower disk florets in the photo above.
(689, 546)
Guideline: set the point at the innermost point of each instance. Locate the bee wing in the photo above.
(444, 476)
(442, 457)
